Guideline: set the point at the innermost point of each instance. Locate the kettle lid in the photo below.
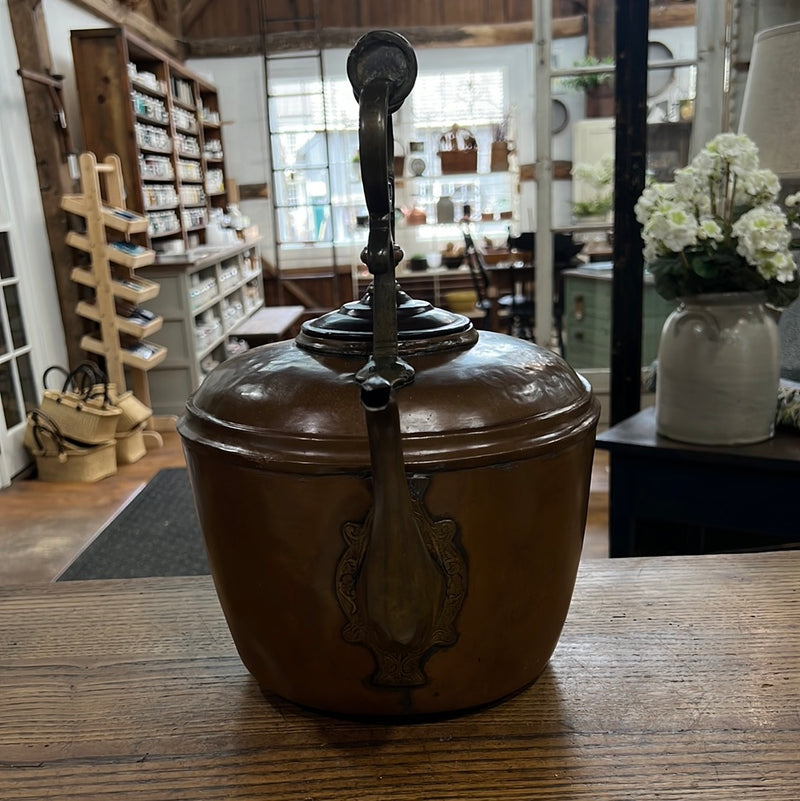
(421, 328)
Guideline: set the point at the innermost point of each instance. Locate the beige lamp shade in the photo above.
(771, 106)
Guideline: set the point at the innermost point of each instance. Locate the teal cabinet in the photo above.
(587, 318)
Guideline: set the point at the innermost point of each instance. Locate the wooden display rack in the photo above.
(112, 276)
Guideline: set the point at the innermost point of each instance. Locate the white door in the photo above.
(31, 334)
(18, 386)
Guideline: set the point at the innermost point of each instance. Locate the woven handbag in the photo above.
(132, 411)
(58, 459)
(80, 411)
(130, 445)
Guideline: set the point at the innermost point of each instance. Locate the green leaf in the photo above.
(705, 268)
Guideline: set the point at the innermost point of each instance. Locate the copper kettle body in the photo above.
(393, 505)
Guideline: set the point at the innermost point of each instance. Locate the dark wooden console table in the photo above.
(667, 497)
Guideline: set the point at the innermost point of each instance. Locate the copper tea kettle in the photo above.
(393, 505)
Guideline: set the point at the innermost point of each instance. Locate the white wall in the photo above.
(242, 99)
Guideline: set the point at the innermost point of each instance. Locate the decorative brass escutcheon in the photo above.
(404, 630)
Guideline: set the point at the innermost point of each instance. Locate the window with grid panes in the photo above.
(318, 191)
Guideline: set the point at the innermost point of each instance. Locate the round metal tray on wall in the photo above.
(659, 78)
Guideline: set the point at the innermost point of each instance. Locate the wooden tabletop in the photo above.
(675, 679)
(268, 324)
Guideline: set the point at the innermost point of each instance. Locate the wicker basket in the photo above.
(58, 459)
(498, 162)
(82, 409)
(461, 301)
(130, 445)
(456, 161)
(83, 421)
(132, 411)
(458, 151)
(100, 393)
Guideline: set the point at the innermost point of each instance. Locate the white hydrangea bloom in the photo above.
(704, 165)
(598, 175)
(737, 151)
(671, 228)
(779, 266)
(651, 250)
(605, 170)
(702, 205)
(758, 186)
(657, 197)
(761, 234)
(710, 229)
(649, 201)
(686, 185)
(696, 216)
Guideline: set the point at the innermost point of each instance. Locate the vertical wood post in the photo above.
(632, 20)
(33, 52)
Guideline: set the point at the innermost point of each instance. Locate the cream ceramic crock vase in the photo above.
(718, 370)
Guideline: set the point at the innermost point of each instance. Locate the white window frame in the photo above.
(512, 61)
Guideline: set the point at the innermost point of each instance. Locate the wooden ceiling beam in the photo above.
(661, 16)
(168, 16)
(672, 15)
(191, 11)
(117, 14)
(422, 36)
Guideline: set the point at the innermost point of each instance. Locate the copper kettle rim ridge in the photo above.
(430, 451)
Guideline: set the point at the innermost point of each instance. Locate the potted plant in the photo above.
(458, 150)
(500, 146)
(418, 263)
(717, 241)
(598, 179)
(597, 86)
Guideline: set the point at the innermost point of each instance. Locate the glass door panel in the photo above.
(18, 391)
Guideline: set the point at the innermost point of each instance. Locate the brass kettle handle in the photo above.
(402, 579)
(382, 69)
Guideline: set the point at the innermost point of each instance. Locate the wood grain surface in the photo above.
(675, 678)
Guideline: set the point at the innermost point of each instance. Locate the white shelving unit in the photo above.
(203, 298)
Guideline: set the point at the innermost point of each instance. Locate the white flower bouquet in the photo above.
(719, 228)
